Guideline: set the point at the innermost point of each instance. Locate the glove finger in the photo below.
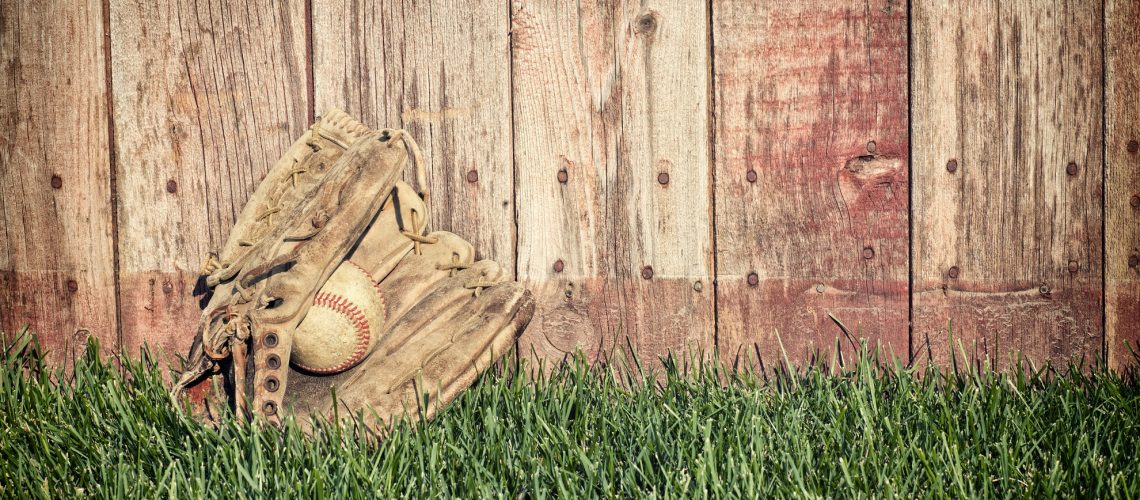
(290, 182)
(440, 305)
(444, 358)
(384, 244)
(417, 275)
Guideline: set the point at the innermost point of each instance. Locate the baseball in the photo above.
(342, 325)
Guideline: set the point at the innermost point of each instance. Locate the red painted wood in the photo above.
(56, 247)
(1122, 184)
(1011, 92)
(811, 175)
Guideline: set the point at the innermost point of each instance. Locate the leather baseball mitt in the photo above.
(331, 283)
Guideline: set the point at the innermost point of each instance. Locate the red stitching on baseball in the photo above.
(341, 305)
(375, 287)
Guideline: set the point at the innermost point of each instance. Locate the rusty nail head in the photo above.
(753, 279)
(751, 175)
(1074, 267)
(1071, 168)
(272, 384)
(72, 286)
(663, 178)
(56, 182)
(472, 176)
(952, 165)
(559, 266)
(563, 176)
(167, 287)
(1044, 290)
(819, 288)
(270, 408)
(1133, 260)
(871, 146)
(647, 272)
(171, 186)
(868, 252)
(273, 361)
(270, 339)
(1135, 201)
(698, 286)
(954, 272)
(1133, 146)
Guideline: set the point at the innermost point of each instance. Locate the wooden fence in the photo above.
(668, 176)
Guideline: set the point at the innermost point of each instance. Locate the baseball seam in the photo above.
(342, 305)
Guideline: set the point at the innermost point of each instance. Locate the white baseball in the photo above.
(342, 325)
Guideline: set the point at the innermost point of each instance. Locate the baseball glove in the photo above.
(331, 283)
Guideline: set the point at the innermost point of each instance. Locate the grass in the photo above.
(870, 430)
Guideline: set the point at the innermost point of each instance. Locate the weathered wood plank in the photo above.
(440, 69)
(612, 169)
(56, 252)
(811, 176)
(208, 95)
(1007, 179)
(1122, 182)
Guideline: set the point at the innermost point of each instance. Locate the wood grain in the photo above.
(56, 251)
(609, 99)
(1012, 94)
(440, 69)
(811, 176)
(1122, 183)
(208, 94)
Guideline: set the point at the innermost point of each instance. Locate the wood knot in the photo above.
(646, 24)
(869, 179)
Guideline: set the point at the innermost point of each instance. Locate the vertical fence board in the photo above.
(440, 69)
(56, 252)
(612, 165)
(1007, 246)
(811, 216)
(1122, 197)
(207, 96)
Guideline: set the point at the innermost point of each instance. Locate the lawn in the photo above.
(869, 429)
